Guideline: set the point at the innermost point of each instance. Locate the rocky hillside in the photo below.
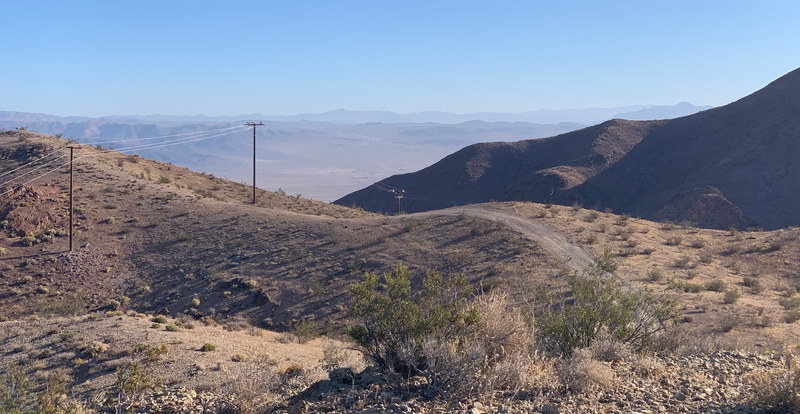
(729, 166)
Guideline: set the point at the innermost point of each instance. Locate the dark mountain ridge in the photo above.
(739, 161)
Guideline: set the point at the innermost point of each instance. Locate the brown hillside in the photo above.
(747, 149)
(162, 236)
(523, 170)
(729, 166)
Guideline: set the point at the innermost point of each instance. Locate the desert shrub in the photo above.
(648, 367)
(394, 319)
(655, 275)
(777, 389)
(607, 349)
(171, 328)
(686, 286)
(333, 357)
(592, 216)
(668, 225)
(673, 241)
(96, 348)
(164, 180)
(114, 304)
(754, 284)
(605, 262)
(698, 243)
(238, 358)
(731, 296)
(789, 303)
(460, 346)
(28, 394)
(706, 259)
(137, 376)
(306, 330)
(208, 348)
(715, 286)
(581, 373)
(600, 301)
(792, 316)
(28, 241)
(253, 385)
(195, 302)
(683, 262)
(159, 319)
(728, 321)
(622, 220)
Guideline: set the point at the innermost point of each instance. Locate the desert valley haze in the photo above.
(455, 240)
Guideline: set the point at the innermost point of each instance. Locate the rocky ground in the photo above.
(711, 383)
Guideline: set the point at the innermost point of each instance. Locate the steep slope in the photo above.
(523, 170)
(748, 150)
(738, 162)
(165, 239)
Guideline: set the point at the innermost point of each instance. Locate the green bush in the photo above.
(171, 328)
(392, 319)
(306, 330)
(208, 348)
(605, 262)
(601, 302)
(715, 286)
(731, 296)
(159, 319)
(789, 303)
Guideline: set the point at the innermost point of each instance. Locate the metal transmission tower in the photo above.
(398, 194)
(254, 125)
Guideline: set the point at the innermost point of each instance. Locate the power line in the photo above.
(381, 188)
(36, 178)
(148, 146)
(166, 144)
(31, 162)
(164, 136)
(35, 169)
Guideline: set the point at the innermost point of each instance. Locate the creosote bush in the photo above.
(778, 389)
(600, 302)
(462, 345)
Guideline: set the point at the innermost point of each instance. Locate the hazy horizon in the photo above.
(405, 57)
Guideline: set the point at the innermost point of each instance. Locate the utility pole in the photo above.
(254, 125)
(71, 207)
(398, 194)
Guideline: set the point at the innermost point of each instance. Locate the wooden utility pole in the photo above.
(398, 194)
(71, 207)
(254, 125)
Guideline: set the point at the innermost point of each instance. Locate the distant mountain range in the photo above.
(734, 165)
(587, 116)
(325, 155)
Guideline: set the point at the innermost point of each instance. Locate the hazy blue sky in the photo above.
(283, 57)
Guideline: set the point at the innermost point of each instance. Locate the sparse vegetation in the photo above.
(731, 296)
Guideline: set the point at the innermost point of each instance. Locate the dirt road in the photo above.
(550, 239)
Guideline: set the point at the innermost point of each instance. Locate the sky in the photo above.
(95, 58)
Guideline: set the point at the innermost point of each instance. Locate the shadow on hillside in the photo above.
(31, 256)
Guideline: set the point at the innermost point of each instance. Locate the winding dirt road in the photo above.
(550, 239)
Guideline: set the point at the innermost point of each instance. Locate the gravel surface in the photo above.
(707, 383)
